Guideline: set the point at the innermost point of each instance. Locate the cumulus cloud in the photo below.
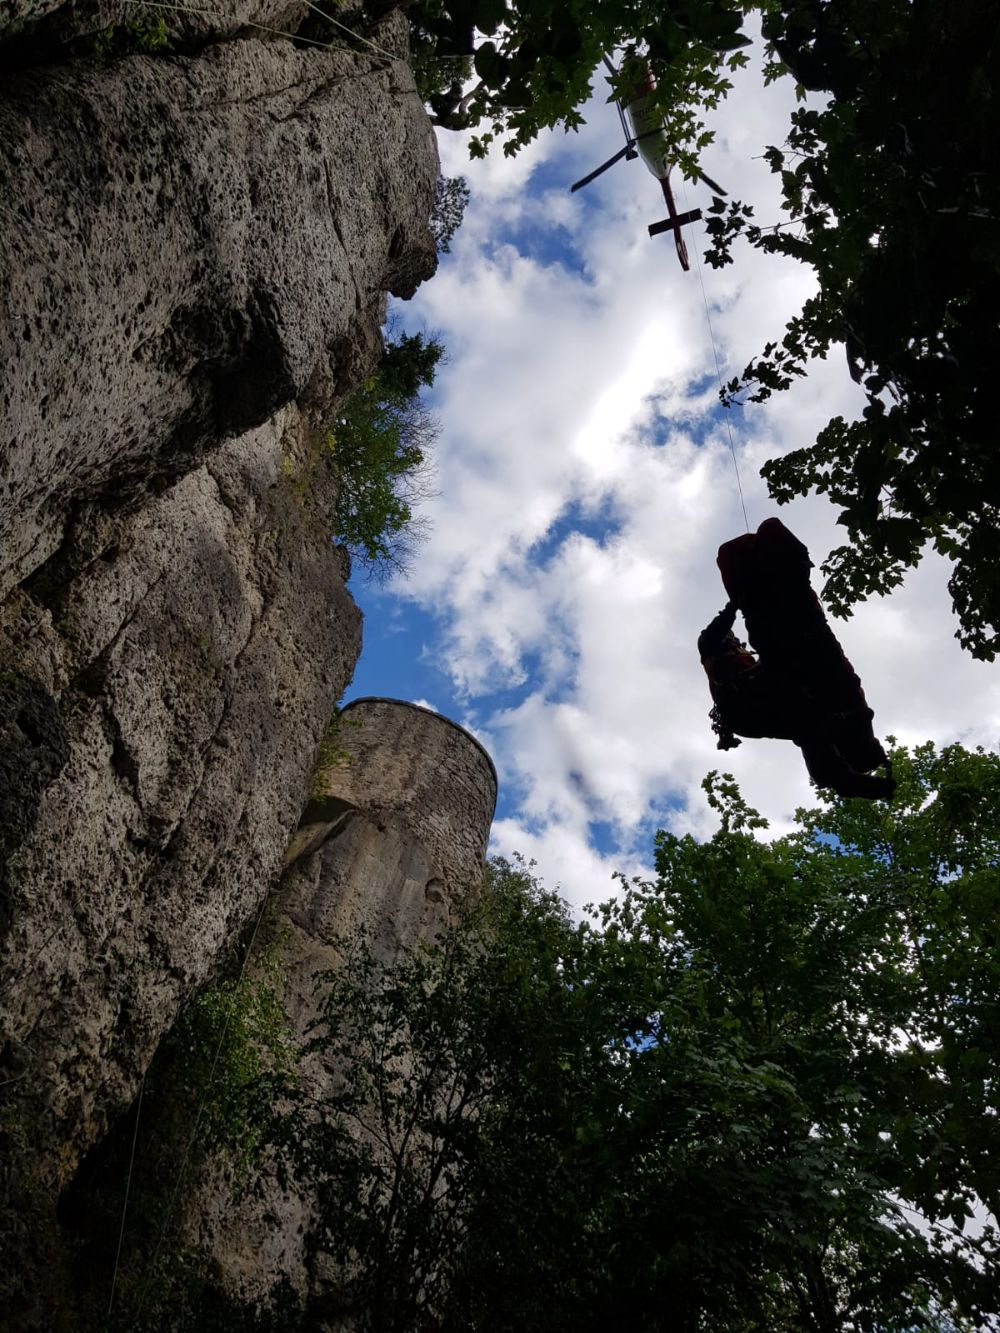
(585, 479)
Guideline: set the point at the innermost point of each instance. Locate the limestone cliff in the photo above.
(194, 254)
(395, 832)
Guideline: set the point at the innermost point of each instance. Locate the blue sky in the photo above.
(583, 483)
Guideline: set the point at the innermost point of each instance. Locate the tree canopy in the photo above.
(757, 1092)
(891, 191)
(533, 64)
(895, 186)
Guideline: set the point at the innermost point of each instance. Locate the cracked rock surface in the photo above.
(56, 22)
(188, 244)
(167, 706)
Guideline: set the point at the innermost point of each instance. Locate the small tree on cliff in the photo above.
(380, 448)
(450, 200)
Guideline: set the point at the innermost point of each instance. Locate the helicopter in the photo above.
(646, 137)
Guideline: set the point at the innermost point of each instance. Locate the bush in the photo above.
(450, 199)
(140, 36)
(379, 448)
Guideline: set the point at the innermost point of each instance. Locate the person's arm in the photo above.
(712, 637)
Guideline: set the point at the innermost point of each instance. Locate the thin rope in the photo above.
(30, 962)
(244, 23)
(128, 1186)
(179, 1179)
(350, 31)
(718, 366)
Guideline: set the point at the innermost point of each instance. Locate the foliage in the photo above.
(439, 76)
(894, 188)
(139, 36)
(427, 1049)
(408, 365)
(211, 1095)
(332, 754)
(790, 986)
(534, 63)
(236, 1056)
(379, 448)
(184, 1293)
(714, 1106)
(450, 199)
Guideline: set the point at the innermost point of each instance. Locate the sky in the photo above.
(584, 479)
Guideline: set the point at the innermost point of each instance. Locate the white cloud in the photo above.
(585, 482)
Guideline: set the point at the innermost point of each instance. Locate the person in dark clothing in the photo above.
(797, 685)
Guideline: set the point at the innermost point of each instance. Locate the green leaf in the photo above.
(490, 65)
(489, 15)
(729, 42)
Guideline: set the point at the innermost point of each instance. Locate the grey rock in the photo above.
(52, 24)
(212, 237)
(194, 256)
(401, 817)
(171, 700)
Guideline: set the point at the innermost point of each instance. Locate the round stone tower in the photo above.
(397, 825)
(393, 836)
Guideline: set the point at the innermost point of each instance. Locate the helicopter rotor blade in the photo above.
(709, 182)
(618, 103)
(603, 167)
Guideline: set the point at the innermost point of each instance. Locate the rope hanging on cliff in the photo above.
(718, 369)
(350, 31)
(128, 1187)
(263, 27)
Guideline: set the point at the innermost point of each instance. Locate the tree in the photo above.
(450, 200)
(821, 1045)
(379, 448)
(397, 1153)
(893, 186)
(724, 1102)
(891, 191)
(534, 63)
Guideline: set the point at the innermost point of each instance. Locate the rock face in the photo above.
(48, 21)
(175, 695)
(394, 836)
(212, 237)
(194, 255)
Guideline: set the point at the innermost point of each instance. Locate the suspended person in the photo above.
(798, 685)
